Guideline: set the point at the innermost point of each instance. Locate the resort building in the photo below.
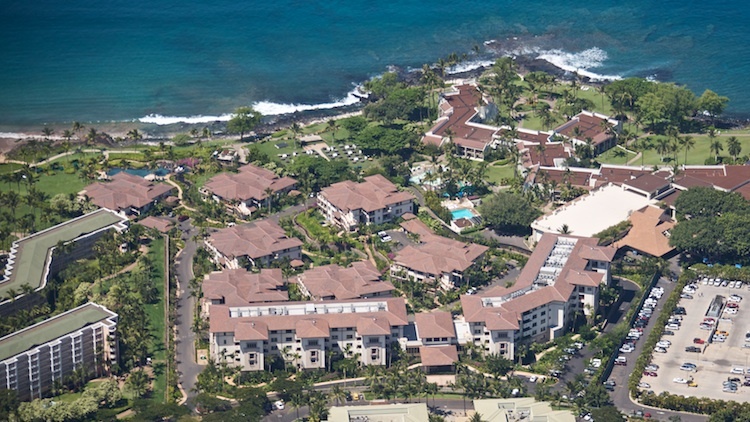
(435, 259)
(560, 280)
(160, 224)
(34, 259)
(461, 112)
(649, 233)
(247, 191)
(39, 357)
(595, 129)
(375, 201)
(300, 333)
(127, 194)
(520, 409)
(332, 282)
(239, 287)
(394, 412)
(256, 244)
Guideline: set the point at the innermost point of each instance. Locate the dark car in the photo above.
(693, 349)
(182, 218)
(668, 333)
(680, 311)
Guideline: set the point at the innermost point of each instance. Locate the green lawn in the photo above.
(9, 168)
(270, 149)
(697, 155)
(495, 173)
(617, 155)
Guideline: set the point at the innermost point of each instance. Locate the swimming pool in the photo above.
(463, 213)
(139, 172)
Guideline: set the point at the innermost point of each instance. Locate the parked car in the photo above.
(733, 305)
(693, 349)
(644, 385)
(690, 367)
(652, 367)
(650, 373)
(668, 333)
(686, 296)
(698, 340)
(621, 360)
(658, 349)
(737, 370)
(680, 380)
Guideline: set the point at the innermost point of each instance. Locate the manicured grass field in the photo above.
(495, 174)
(695, 156)
(617, 155)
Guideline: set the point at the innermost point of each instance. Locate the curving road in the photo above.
(187, 368)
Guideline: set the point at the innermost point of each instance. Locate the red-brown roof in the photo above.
(157, 223)
(438, 255)
(394, 313)
(374, 193)
(126, 191)
(238, 287)
(647, 233)
(250, 183)
(360, 279)
(435, 325)
(457, 109)
(647, 183)
(255, 240)
(438, 355)
(589, 126)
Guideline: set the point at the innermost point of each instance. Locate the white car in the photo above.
(382, 233)
(644, 385)
(730, 311)
(735, 298)
(385, 239)
(532, 378)
(738, 371)
(679, 380)
(663, 344)
(626, 349)
(279, 405)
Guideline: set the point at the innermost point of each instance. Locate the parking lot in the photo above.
(714, 365)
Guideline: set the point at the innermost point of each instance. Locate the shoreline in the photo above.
(527, 62)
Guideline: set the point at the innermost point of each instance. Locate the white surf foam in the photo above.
(468, 66)
(266, 108)
(158, 119)
(580, 62)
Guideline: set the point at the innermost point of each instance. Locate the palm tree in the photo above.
(296, 131)
(688, 143)
(47, 132)
(476, 417)
(662, 147)
(138, 383)
(332, 126)
(91, 136)
(135, 135)
(734, 147)
(298, 400)
(337, 394)
(716, 147)
(564, 229)
(269, 196)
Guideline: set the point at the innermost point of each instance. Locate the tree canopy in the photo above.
(315, 173)
(244, 120)
(712, 103)
(508, 212)
(708, 202)
(385, 141)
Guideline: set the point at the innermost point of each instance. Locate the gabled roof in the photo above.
(250, 183)
(435, 325)
(438, 355)
(590, 125)
(373, 326)
(438, 255)
(360, 279)
(647, 233)
(238, 287)
(375, 193)
(312, 328)
(126, 191)
(647, 183)
(255, 240)
(158, 223)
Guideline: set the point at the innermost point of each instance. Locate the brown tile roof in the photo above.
(376, 192)
(395, 315)
(416, 226)
(647, 233)
(437, 255)
(456, 110)
(590, 126)
(373, 326)
(576, 178)
(126, 191)
(744, 190)
(250, 183)
(671, 197)
(435, 325)
(618, 175)
(573, 273)
(238, 287)
(251, 330)
(360, 279)
(648, 183)
(438, 355)
(158, 223)
(255, 240)
(728, 178)
(312, 328)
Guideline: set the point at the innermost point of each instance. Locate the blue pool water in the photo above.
(139, 172)
(463, 213)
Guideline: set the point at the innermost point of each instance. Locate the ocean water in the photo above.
(162, 61)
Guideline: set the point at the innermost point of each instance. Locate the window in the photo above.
(349, 336)
(312, 342)
(334, 337)
(478, 331)
(444, 339)
(543, 313)
(287, 339)
(502, 345)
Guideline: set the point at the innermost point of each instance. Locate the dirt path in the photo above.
(169, 180)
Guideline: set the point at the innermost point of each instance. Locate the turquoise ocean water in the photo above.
(120, 60)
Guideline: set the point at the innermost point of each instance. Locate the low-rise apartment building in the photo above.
(560, 281)
(258, 243)
(239, 287)
(376, 200)
(127, 194)
(35, 359)
(248, 190)
(436, 259)
(333, 282)
(300, 333)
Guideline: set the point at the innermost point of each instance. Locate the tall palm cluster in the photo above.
(399, 382)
